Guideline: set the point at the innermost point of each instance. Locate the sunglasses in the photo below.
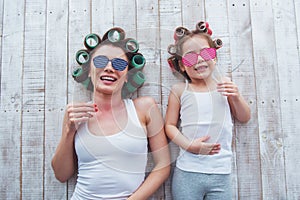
(117, 63)
(190, 59)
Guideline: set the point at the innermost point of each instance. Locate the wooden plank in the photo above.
(170, 18)
(147, 25)
(148, 37)
(287, 51)
(79, 27)
(33, 93)
(268, 102)
(11, 98)
(125, 16)
(246, 141)
(102, 16)
(297, 18)
(55, 90)
(192, 12)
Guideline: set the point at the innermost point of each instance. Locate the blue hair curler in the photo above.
(79, 75)
(136, 81)
(82, 56)
(91, 41)
(138, 61)
(132, 45)
(114, 35)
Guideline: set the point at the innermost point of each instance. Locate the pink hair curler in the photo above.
(218, 43)
(180, 32)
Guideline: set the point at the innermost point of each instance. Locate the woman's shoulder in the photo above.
(144, 102)
(144, 106)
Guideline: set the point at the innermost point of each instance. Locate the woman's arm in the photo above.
(150, 116)
(197, 146)
(64, 161)
(239, 107)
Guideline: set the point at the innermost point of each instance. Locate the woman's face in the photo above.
(203, 68)
(106, 76)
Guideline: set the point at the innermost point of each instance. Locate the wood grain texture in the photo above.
(39, 40)
(11, 99)
(268, 102)
(289, 93)
(245, 140)
(55, 91)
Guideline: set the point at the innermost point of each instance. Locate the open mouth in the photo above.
(108, 78)
(201, 68)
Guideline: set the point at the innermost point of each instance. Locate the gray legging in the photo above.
(199, 186)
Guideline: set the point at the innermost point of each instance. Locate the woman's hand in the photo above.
(77, 113)
(64, 161)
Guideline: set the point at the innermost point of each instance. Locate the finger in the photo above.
(75, 115)
(204, 138)
(77, 121)
(80, 105)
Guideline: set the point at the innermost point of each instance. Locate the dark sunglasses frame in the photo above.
(117, 63)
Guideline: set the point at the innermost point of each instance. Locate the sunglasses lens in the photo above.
(190, 59)
(208, 54)
(119, 64)
(100, 61)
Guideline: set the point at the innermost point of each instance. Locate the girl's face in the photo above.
(204, 63)
(109, 67)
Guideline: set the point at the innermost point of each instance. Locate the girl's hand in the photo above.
(77, 113)
(229, 89)
(199, 146)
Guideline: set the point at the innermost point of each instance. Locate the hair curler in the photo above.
(88, 84)
(180, 32)
(82, 77)
(79, 75)
(173, 63)
(114, 35)
(82, 56)
(138, 61)
(218, 43)
(132, 45)
(136, 81)
(91, 41)
(203, 27)
(172, 49)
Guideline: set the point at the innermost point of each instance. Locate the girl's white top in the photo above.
(206, 113)
(111, 167)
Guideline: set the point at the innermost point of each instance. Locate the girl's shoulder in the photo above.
(178, 88)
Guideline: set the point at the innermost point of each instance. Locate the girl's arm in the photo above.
(150, 116)
(239, 107)
(197, 146)
(64, 161)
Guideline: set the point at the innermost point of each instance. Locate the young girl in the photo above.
(204, 106)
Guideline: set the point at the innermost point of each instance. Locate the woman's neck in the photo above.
(107, 101)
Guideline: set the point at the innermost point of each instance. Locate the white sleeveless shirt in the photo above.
(206, 113)
(111, 167)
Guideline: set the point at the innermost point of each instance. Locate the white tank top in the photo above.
(111, 167)
(206, 113)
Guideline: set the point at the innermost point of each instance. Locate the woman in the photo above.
(107, 140)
